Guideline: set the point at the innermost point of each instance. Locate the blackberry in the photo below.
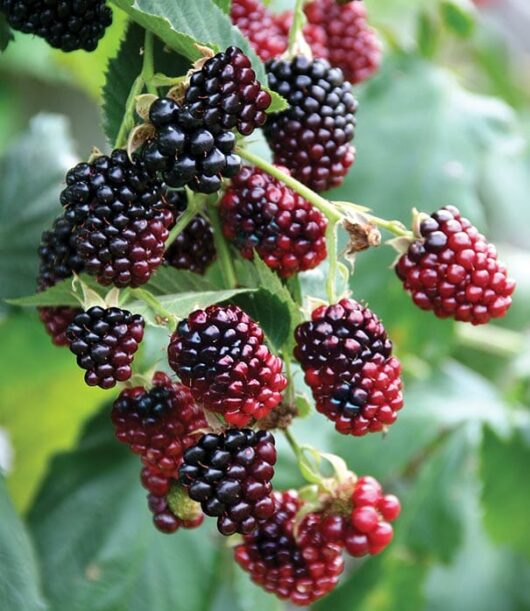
(68, 25)
(226, 94)
(158, 423)
(260, 26)
(173, 510)
(362, 524)
(259, 212)
(229, 475)
(121, 217)
(453, 271)
(105, 341)
(193, 249)
(188, 152)
(348, 364)
(351, 44)
(58, 261)
(220, 354)
(295, 564)
(312, 137)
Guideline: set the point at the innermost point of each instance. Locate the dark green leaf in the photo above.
(31, 178)
(168, 280)
(64, 293)
(5, 33)
(458, 16)
(99, 548)
(505, 494)
(19, 578)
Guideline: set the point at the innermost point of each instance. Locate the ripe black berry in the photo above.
(67, 25)
(453, 271)
(259, 212)
(158, 423)
(226, 94)
(121, 217)
(229, 474)
(186, 151)
(289, 559)
(348, 364)
(221, 355)
(193, 249)
(312, 137)
(105, 341)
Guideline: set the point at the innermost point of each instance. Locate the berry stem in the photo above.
(223, 251)
(145, 296)
(128, 118)
(331, 282)
(297, 44)
(148, 68)
(195, 206)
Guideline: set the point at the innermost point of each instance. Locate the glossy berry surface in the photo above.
(453, 271)
(229, 475)
(186, 151)
(312, 138)
(258, 212)
(121, 218)
(68, 25)
(351, 44)
(105, 341)
(158, 423)
(300, 568)
(226, 94)
(347, 359)
(194, 248)
(58, 260)
(220, 354)
(366, 528)
(260, 26)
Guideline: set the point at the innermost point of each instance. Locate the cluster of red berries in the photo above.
(335, 31)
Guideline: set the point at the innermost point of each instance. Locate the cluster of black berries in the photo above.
(121, 217)
(68, 25)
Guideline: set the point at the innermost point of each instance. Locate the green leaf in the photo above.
(167, 280)
(19, 578)
(224, 5)
(459, 16)
(61, 294)
(5, 33)
(182, 24)
(428, 34)
(505, 493)
(181, 304)
(31, 178)
(95, 536)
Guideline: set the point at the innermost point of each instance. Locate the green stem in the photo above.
(148, 68)
(331, 244)
(492, 339)
(155, 305)
(194, 208)
(128, 118)
(297, 450)
(223, 252)
(394, 227)
(295, 33)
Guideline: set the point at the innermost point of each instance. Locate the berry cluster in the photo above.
(187, 151)
(158, 423)
(193, 249)
(58, 261)
(296, 564)
(105, 341)
(221, 355)
(312, 137)
(67, 25)
(226, 94)
(260, 26)
(365, 527)
(229, 475)
(453, 271)
(347, 360)
(121, 218)
(259, 212)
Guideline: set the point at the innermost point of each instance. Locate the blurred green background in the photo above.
(446, 120)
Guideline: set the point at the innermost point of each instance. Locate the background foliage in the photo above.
(446, 120)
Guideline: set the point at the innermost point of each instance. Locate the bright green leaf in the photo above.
(428, 34)
(459, 16)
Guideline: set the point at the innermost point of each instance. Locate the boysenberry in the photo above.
(105, 341)
(158, 423)
(229, 475)
(187, 152)
(348, 364)
(67, 25)
(226, 94)
(298, 565)
(453, 271)
(259, 212)
(121, 217)
(220, 354)
(313, 136)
